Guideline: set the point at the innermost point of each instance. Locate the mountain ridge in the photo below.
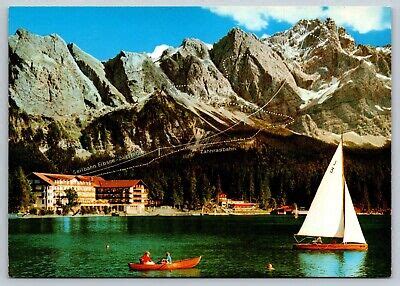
(222, 85)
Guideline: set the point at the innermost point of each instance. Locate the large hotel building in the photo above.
(94, 193)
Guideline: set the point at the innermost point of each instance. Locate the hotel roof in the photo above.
(119, 183)
(95, 180)
(51, 178)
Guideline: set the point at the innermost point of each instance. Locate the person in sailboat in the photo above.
(318, 240)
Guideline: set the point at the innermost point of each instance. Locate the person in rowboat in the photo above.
(166, 260)
(146, 259)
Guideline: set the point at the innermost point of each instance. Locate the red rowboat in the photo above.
(179, 264)
(330, 246)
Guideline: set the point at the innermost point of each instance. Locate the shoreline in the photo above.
(178, 214)
(183, 214)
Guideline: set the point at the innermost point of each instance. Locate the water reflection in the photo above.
(332, 264)
(67, 224)
(193, 272)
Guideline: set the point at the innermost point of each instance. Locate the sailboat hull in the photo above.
(331, 246)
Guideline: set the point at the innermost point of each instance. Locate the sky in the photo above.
(104, 31)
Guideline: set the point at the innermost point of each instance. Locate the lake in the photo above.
(231, 246)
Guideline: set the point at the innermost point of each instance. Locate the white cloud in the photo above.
(292, 14)
(158, 50)
(256, 18)
(361, 19)
(264, 36)
(250, 17)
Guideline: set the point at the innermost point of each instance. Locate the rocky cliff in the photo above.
(45, 80)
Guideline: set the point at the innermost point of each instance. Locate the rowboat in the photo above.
(179, 264)
(331, 216)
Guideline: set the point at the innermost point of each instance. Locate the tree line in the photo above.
(274, 172)
(255, 176)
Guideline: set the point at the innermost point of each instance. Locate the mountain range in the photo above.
(330, 86)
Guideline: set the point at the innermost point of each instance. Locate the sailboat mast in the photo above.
(343, 186)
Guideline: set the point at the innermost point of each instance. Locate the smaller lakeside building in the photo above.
(93, 192)
(225, 202)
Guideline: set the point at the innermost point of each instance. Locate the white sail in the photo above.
(325, 217)
(352, 230)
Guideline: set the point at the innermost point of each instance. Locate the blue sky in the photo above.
(104, 31)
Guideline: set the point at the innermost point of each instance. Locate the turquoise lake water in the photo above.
(231, 246)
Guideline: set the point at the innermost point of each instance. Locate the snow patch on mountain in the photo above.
(385, 50)
(382, 108)
(383, 77)
(361, 57)
(311, 97)
(209, 46)
(368, 63)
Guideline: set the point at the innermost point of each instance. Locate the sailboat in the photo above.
(331, 216)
